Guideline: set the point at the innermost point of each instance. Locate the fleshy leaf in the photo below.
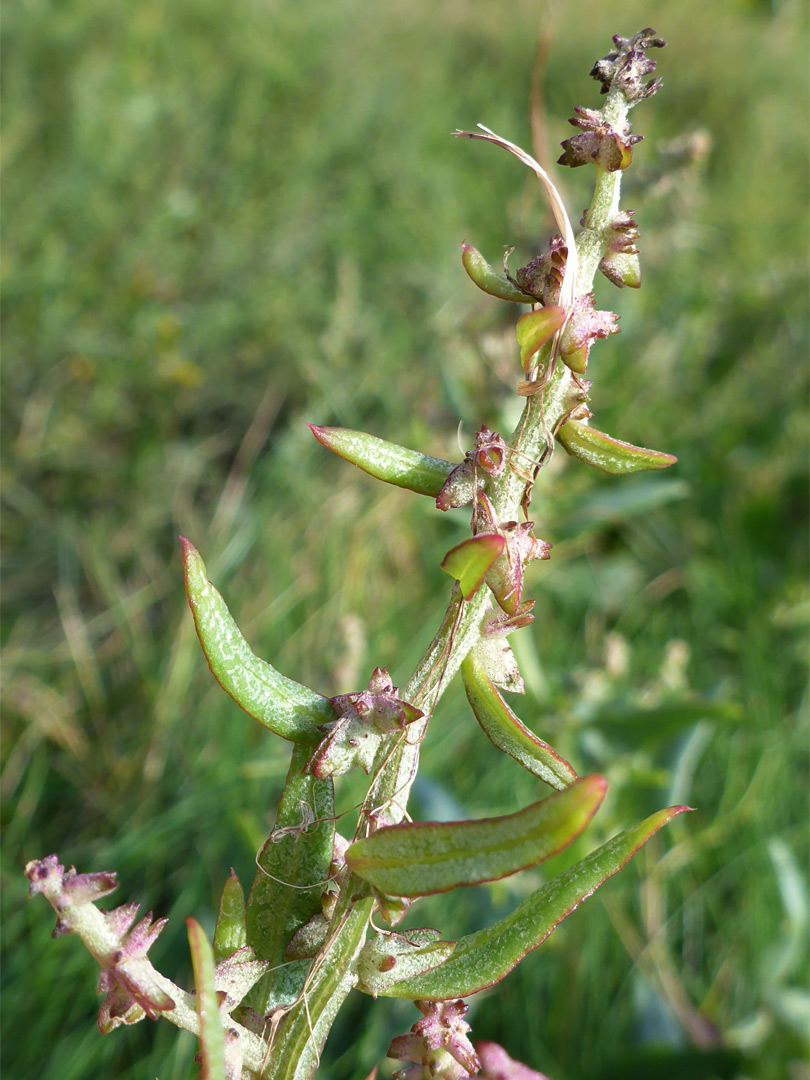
(490, 280)
(504, 729)
(430, 857)
(469, 561)
(485, 957)
(212, 1037)
(292, 867)
(387, 461)
(608, 454)
(534, 329)
(285, 707)
(567, 287)
(230, 934)
(387, 958)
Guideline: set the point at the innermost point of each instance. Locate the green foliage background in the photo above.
(222, 221)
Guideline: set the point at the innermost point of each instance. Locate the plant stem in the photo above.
(302, 1032)
(592, 242)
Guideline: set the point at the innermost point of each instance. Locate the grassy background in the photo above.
(222, 221)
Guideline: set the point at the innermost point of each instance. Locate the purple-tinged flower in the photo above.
(598, 143)
(626, 66)
(437, 1044)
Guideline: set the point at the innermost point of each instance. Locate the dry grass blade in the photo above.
(554, 198)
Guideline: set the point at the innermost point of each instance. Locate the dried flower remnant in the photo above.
(364, 719)
(542, 277)
(627, 65)
(598, 143)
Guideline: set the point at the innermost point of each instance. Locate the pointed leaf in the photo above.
(485, 957)
(212, 1036)
(534, 329)
(609, 454)
(492, 281)
(469, 561)
(230, 933)
(293, 866)
(504, 729)
(385, 460)
(431, 857)
(285, 707)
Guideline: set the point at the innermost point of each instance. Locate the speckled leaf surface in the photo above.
(285, 707)
(483, 958)
(608, 454)
(505, 730)
(388, 958)
(385, 460)
(230, 933)
(292, 867)
(419, 859)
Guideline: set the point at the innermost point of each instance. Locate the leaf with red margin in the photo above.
(504, 729)
(610, 455)
(469, 561)
(285, 707)
(386, 460)
(435, 856)
(485, 957)
(212, 1036)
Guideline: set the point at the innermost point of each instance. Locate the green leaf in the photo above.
(534, 329)
(292, 867)
(285, 707)
(469, 561)
(231, 931)
(490, 280)
(212, 1037)
(608, 454)
(431, 857)
(505, 730)
(395, 464)
(388, 958)
(485, 957)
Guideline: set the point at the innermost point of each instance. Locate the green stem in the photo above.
(460, 628)
(301, 1034)
(593, 241)
(295, 1047)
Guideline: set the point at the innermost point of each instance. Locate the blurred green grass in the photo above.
(223, 222)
